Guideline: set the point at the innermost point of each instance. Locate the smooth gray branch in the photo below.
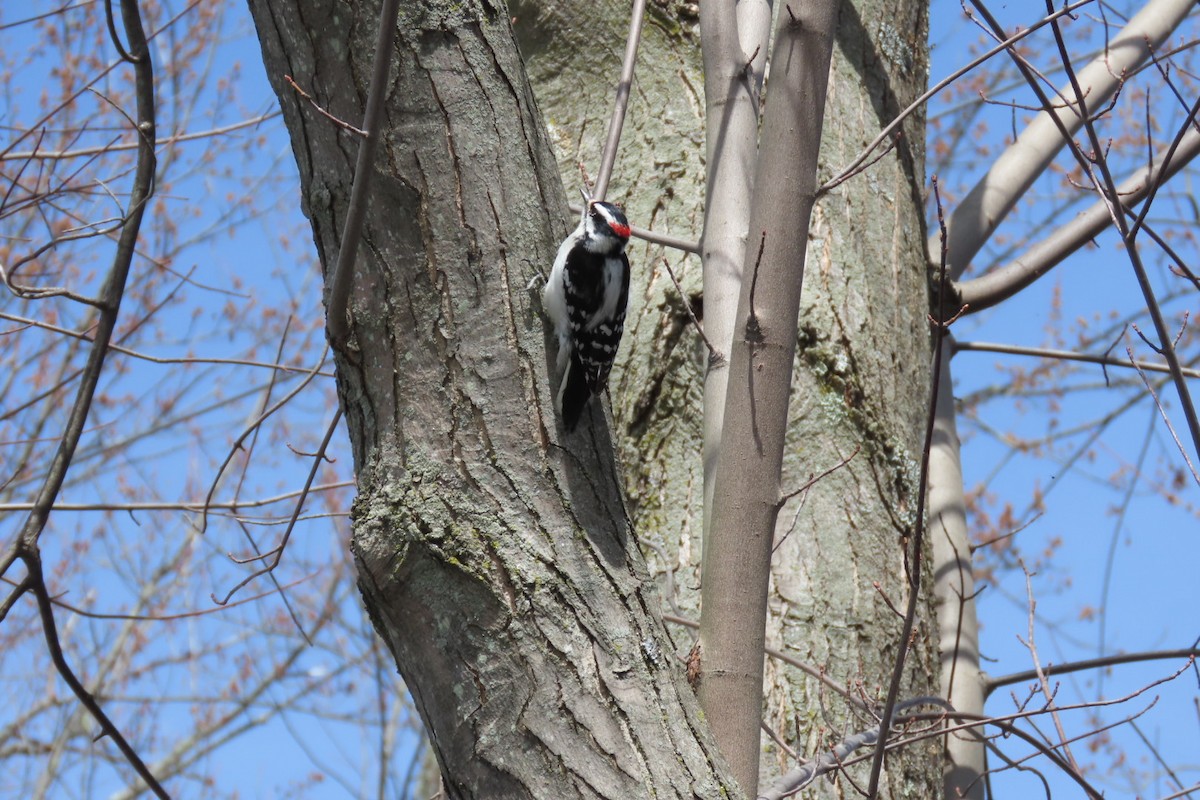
(1003, 282)
(986, 205)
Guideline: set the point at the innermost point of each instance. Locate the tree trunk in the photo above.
(501, 569)
(495, 557)
(861, 380)
(657, 381)
(861, 375)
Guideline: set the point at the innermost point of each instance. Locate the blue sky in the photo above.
(1126, 580)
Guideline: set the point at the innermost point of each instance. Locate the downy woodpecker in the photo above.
(585, 299)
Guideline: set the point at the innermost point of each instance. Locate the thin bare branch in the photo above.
(993, 683)
(1068, 355)
(37, 585)
(914, 557)
(714, 355)
(1166, 420)
(890, 132)
(320, 109)
(60, 603)
(814, 479)
(237, 444)
(187, 505)
(277, 551)
(617, 121)
(654, 237)
(160, 144)
(337, 319)
(116, 348)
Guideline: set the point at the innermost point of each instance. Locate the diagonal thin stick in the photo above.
(914, 567)
(337, 321)
(715, 356)
(617, 121)
(277, 552)
(1171, 428)
(36, 582)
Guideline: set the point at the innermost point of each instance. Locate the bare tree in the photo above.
(138, 359)
(758, 569)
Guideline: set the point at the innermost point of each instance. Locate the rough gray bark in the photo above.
(659, 179)
(496, 560)
(861, 375)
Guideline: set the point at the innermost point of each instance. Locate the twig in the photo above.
(617, 121)
(185, 505)
(857, 165)
(1162, 763)
(715, 357)
(779, 742)
(337, 321)
(1042, 679)
(991, 684)
(1176, 143)
(287, 603)
(113, 147)
(112, 33)
(803, 493)
(237, 444)
(654, 237)
(1002, 536)
(277, 552)
(36, 579)
(914, 566)
(1195, 787)
(1167, 420)
(320, 109)
(65, 606)
(1067, 355)
(814, 479)
(1009, 729)
(116, 348)
(1015, 169)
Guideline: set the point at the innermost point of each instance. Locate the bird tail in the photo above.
(573, 393)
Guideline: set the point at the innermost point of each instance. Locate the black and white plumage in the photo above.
(585, 298)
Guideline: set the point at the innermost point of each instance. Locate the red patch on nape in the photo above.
(620, 230)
